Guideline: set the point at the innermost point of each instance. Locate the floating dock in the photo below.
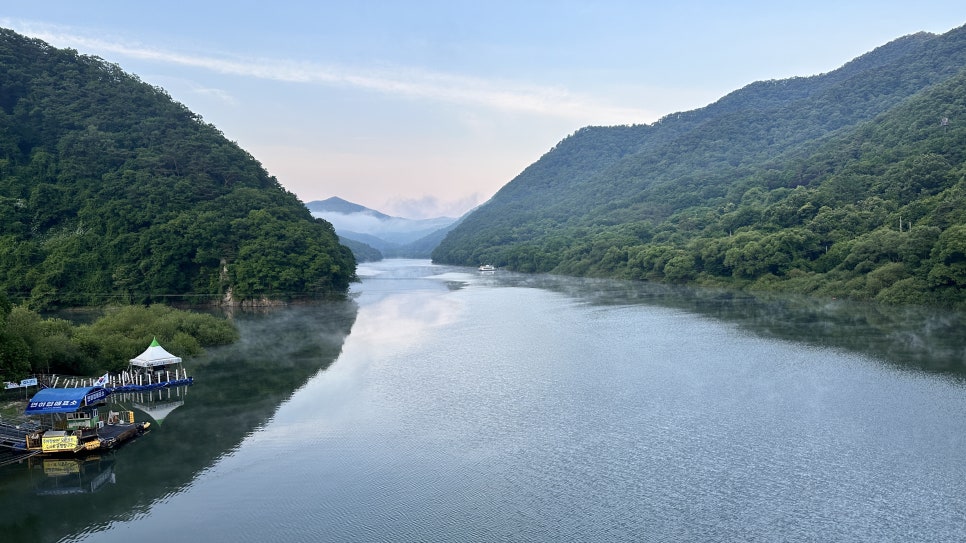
(73, 424)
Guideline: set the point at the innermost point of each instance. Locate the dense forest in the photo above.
(360, 251)
(850, 183)
(32, 344)
(112, 192)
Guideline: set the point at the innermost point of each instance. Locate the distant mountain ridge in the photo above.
(390, 236)
(780, 184)
(345, 207)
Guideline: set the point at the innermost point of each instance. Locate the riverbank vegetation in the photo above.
(848, 184)
(31, 343)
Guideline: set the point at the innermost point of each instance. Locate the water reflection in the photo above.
(156, 404)
(496, 413)
(920, 338)
(59, 476)
(237, 390)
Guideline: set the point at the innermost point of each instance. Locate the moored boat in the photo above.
(70, 422)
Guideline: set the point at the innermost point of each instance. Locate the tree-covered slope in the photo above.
(361, 251)
(110, 190)
(751, 174)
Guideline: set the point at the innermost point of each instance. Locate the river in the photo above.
(445, 404)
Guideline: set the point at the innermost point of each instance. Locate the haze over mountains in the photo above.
(391, 236)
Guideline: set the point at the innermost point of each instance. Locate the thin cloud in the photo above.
(428, 207)
(219, 94)
(411, 83)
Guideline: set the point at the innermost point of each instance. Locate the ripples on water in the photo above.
(487, 408)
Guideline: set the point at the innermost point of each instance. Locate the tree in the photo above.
(949, 258)
(14, 351)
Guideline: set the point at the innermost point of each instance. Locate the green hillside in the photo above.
(111, 191)
(799, 184)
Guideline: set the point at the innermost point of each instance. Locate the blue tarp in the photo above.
(64, 400)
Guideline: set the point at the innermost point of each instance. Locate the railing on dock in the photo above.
(113, 380)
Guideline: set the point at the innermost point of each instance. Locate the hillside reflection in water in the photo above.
(504, 407)
(237, 390)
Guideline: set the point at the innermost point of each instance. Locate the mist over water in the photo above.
(443, 404)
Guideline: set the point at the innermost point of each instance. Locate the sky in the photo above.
(423, 109)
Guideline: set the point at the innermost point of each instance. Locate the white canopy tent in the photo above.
(155, 356)
(154, 368)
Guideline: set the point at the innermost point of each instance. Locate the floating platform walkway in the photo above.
(151, 386)
(63, 417)
(121, 382)
(13, 441)
(153, 369)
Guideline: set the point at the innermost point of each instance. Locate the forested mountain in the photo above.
(361, 251)
(849, 183)
(112, 191)
(344, 207)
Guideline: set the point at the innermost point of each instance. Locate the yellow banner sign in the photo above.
(61, 467)
(59, 443)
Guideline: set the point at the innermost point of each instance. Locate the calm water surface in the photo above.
(448, 405)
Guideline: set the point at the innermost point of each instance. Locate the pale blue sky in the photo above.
(426, 108)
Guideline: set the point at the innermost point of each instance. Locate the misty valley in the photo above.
(742, 322)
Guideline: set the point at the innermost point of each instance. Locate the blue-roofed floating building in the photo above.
(74, 423)
(65, 400)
